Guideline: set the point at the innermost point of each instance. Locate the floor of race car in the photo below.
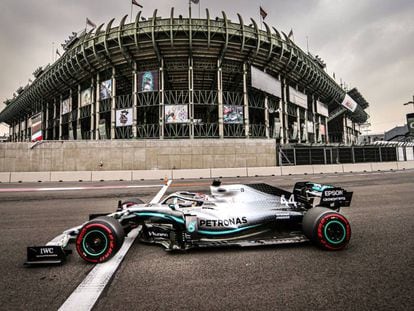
(374, 272)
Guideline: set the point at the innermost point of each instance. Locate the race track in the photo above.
(375, 272)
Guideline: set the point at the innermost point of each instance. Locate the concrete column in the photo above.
(55, 114)
(220, 99)
(305, 128)
(285, 128)
(161, 100)
(60, 119)
(46, 136)
(135, 101)
(245, 102)
(113, 104)
(345, 131)
(282, 121)
(78, 121)
(97, 104)
(315, 139)
(191, 95)
(93, 105)
(326, 131)
(266, 116)
(298, 124)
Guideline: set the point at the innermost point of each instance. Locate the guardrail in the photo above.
(70, 176)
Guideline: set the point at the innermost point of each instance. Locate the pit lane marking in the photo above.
(76, 188)
(87, 293)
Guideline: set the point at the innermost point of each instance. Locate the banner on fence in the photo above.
(36, 122)
(86, 97)
(105, 89)
(176, 113)
(66, 106)
(124, 117)
(265, 82)
(148, 81)
(233, 114)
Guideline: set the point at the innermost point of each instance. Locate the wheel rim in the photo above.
(95, 243)
(335, 232)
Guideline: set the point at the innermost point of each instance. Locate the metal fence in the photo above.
(306, 155)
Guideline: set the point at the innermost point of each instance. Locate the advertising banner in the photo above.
(410, 124)
(265, 82)
(102, 129)
(349, 103)
(148, 81)
(86, 97)
(277, 128)
(322, 129)
(233, 114)
(294, 131)
(105, 89)
(124, 117)
(322, 109)
(298, 98)
(66, 106)
(37, 127)
(176, 113)
(310, 127)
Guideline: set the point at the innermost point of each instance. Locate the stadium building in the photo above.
(184, 78)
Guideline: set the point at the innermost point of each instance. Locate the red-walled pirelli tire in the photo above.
(326, 228)
(99, 239)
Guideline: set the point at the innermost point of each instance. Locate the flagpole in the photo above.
(130, 17)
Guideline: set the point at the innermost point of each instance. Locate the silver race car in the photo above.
(241, 215)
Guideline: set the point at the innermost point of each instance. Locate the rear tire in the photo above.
(326, 228)
(99, 239)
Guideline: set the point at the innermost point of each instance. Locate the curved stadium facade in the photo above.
(185, 78)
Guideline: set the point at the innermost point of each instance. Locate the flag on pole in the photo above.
(263, 13)
(134, 2)
(90, 23)
(58, 53)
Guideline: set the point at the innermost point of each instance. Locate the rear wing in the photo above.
(330, 196)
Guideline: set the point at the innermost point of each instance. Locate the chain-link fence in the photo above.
(306, 155)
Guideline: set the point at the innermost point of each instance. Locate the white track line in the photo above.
(75, 188)
(87, 293)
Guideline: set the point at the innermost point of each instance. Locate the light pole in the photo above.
(410, 102)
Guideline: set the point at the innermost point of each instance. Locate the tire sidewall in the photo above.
(110, 230)
(326, 220)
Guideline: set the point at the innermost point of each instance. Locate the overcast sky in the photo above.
(367, 43)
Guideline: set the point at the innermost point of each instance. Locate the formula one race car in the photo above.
(242, 215)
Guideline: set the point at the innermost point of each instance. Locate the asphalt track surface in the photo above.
(375, 272)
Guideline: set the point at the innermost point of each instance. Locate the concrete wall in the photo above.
(199, 173)
(132, 155)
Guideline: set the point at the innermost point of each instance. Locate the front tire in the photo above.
(99, 239)
(326, 228)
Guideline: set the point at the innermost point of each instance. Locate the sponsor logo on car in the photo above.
(222, 222)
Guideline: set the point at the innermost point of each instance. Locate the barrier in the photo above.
(71, 176)
(264, 171)
(388, 166)
(328, 169)
(29, 176)
(228, 172)
(6, 177)
(295, 170)
(111, 175)
(195, 173)
(357, 167)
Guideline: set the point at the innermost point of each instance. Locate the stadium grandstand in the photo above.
(186, 78)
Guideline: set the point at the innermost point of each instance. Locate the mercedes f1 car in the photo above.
(238, 214)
